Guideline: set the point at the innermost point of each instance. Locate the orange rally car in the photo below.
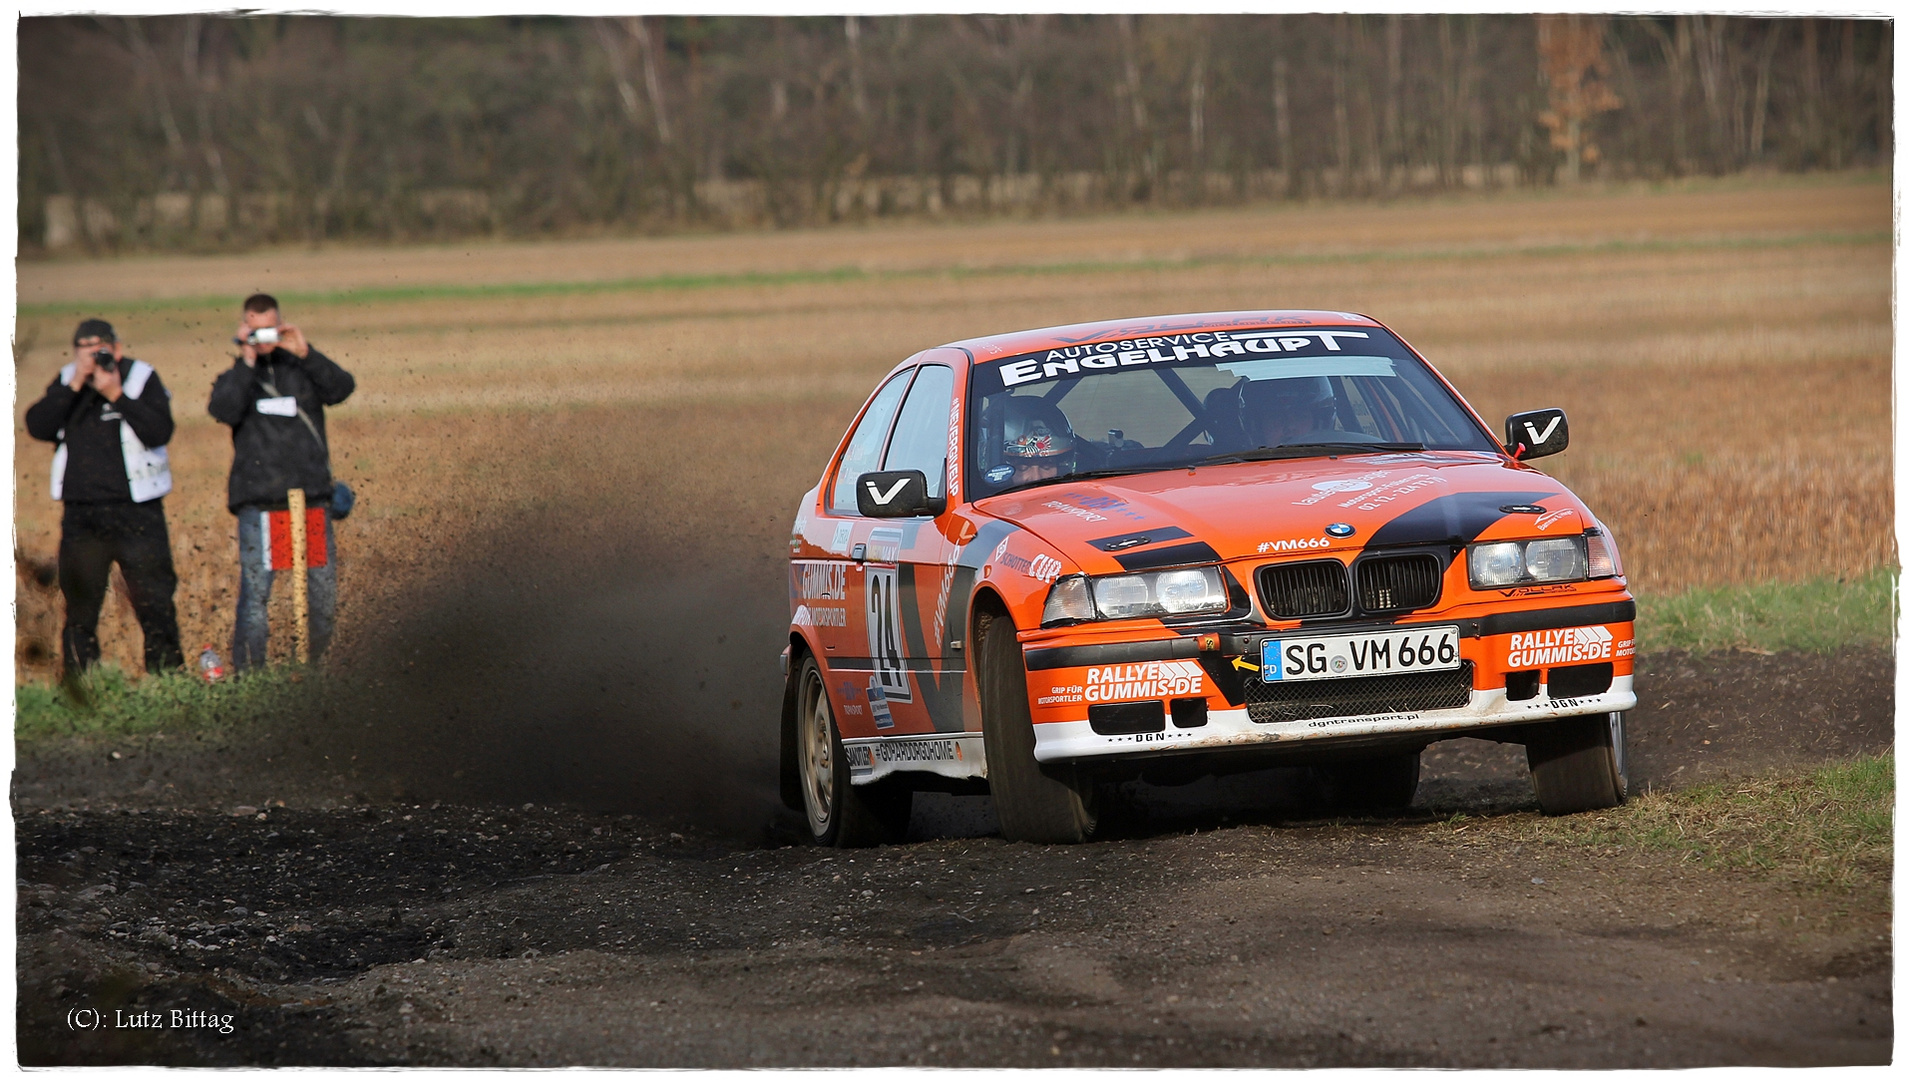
(1046, 562)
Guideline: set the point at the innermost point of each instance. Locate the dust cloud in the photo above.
(604, 638)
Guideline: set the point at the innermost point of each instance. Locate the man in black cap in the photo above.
(111, 418)
(274, 398)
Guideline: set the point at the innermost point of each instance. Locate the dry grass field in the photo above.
(1723, 350)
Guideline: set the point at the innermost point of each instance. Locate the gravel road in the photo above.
(1216, 926)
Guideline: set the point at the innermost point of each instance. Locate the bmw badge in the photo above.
(1340, 529)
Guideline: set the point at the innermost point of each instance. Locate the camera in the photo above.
(265, 335)
(103, 358)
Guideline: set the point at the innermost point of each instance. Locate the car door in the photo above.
(912, 589)
(833, 590)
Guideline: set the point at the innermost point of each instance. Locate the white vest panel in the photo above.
(148, 470)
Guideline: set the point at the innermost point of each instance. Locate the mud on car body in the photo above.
(1042, 563)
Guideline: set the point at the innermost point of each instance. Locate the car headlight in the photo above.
(1134, 596)
(1523, 562)
(1496, 565)
(1123, 597)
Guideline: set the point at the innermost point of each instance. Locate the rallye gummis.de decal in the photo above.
(1131, 682)
(1571, 645)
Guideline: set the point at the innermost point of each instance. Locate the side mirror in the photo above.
(1536, 433)
(903, 493)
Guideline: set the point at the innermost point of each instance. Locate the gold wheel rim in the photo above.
(818, 749)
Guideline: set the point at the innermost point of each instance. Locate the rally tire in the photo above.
(1034, 804)
(1578, 764)
(1377, 783)
(1620, 766)
(839, 814)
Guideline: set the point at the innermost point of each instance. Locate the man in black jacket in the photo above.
(111, 418)
(274, 398)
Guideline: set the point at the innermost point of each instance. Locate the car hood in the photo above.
(1281, 508)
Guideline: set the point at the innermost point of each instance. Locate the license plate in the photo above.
(1349, 656)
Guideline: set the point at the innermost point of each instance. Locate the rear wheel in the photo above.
(1376, 783)
(840, 814)
(1033, 804)
(1577, 764)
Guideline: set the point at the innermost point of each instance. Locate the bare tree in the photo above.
(202, 83)
(161, 101)
(1707, 37)
(1760, 107)
(1392, 149)
(1282, 119)
(1196, 107)
(1884, 79)
(1341, 112)
(619, 69)
(639, 29)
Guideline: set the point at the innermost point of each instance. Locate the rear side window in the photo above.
(864, 453)
(921, 435)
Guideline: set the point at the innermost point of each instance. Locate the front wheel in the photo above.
(1032, 804)
(1577, 764)
(840, 814)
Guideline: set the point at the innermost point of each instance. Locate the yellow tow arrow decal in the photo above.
(1243, 664)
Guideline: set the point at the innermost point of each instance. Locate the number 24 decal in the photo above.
(884, 634)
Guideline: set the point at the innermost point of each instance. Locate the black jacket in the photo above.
(95, 462)
(271, 452)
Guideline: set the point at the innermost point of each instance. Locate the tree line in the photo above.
(221, 131)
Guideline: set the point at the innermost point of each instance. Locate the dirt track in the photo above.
(1217, 926)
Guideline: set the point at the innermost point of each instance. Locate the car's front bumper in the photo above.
(1073, 678)
(1229, 728)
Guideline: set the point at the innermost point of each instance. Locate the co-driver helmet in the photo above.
(1308, 396)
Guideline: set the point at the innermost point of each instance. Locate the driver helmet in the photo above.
(1297, 405)
(1034, 433)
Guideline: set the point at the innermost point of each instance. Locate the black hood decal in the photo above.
(1176, 555)
(1456, 519)
(1139, 539)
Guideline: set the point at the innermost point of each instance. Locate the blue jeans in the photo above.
(255, 589)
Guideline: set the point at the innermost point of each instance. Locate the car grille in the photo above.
(1303, 590)
(1415, 691)
(1398, 584)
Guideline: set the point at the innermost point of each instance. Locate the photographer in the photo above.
(274, 397)
(111, 418)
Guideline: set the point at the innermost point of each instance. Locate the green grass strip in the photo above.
(106, 704)
(1816, 616)
(838, 275)
(1811, 616)
(1830, 828)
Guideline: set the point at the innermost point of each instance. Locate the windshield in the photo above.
(1174, 400)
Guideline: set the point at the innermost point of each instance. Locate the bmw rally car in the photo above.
(1045, 562)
